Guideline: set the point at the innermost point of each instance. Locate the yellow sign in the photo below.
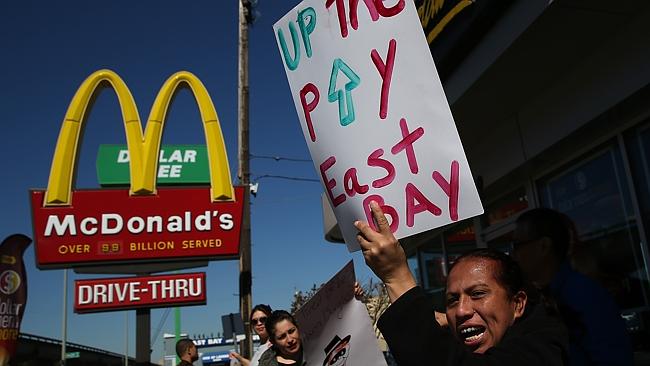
(429, 10)
(143, 149)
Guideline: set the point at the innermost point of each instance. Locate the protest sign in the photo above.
(374, 114)
(335, 327)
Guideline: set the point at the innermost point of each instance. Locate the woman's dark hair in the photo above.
(276, 317)
(508, 273)
(263, 308)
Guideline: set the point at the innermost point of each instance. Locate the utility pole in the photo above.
(143, 336)
(177, 328)
(64, 325)
(126, 338)
(245, 276)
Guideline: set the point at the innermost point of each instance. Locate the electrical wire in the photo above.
(163, 319)
(279, 158)
(259, 177)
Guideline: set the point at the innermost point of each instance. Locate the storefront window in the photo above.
(503, 242)
(415, 268)
(434, 265)
(459, 240)
(594, 194)
(637, 142)
(638, 150)
(437, 253)
(507, 206)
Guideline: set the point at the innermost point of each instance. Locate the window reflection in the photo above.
(414, 266)
(503, 242)
(507, 206)
(595, 196)
(435, 270)
(438, 253)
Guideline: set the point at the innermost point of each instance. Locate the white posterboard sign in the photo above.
(335, 327)
(374, 115)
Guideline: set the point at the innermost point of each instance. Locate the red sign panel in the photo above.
(109, 226)
(108, 294)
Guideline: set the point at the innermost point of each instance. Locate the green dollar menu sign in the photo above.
(177, 164)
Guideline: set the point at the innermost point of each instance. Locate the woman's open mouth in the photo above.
(472, 336)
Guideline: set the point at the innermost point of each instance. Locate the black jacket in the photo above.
(416, 339)
(268, 358)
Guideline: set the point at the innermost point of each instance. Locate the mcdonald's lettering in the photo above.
(103, 225)
(114, 224)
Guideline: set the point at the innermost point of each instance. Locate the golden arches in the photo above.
(143, 150)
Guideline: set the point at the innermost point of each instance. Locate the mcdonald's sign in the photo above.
(143, 223)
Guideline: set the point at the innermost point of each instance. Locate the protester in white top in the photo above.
(258, 317)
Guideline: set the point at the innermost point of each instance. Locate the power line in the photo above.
(286, 177)
(160, 325)
(279, 158)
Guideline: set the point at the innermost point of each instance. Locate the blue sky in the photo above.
(46, 52)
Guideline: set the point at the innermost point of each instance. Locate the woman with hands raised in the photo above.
(491, 318)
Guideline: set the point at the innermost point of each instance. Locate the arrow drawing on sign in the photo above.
(346, 106)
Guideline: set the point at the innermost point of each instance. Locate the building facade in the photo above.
(552, 103)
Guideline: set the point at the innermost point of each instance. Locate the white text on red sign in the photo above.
(119, 293)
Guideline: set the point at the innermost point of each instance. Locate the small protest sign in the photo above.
(335, 327)
(374, 114)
